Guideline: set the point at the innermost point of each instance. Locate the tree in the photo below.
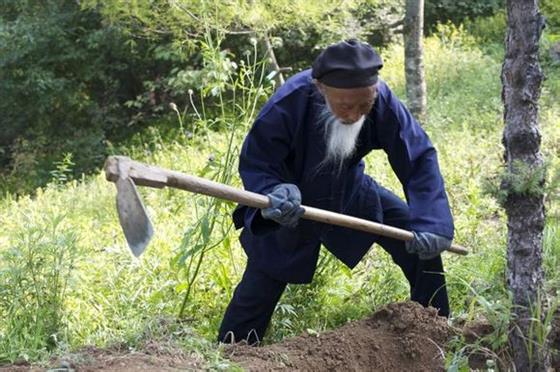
(413, 52)
(457, 12)
(65, 75)
(521, 80)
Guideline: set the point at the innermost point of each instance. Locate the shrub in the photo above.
(35, 269)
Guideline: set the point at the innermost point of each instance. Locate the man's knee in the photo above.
(256, 287)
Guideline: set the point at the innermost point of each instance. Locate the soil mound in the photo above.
(399, 337)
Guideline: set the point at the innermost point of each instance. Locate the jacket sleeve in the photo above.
(262, 161)
(414, 160)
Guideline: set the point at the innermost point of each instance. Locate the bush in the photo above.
(488, 30)
(65, 74)
(35, 269)
(456, 12)
(551, 10)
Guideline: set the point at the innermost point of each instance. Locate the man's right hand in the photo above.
(427, 245)
(285, 205)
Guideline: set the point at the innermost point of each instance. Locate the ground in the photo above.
(399, 337)
(151, 358)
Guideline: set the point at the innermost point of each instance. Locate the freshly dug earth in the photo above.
(152, 357)
(399, 337)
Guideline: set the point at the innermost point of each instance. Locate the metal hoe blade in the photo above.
(134, 220)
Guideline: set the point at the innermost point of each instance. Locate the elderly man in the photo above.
(307, 144)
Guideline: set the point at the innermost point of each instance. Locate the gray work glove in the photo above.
(285, 205)
(427, 245)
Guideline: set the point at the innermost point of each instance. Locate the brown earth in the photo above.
(399, 337)
(153, 357)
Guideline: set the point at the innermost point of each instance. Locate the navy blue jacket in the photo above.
(286, 145)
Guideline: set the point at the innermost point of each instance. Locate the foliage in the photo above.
(297, 30)
(65, 75)
(456, 12)
(81, 77)
(105, 296)
(488, 30)
(246, 87)
(520, 180)
(197, 18)
(463, 82)
(551, 10)
(34, 275)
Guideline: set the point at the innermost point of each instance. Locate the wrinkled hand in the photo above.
(427, 245)
(285, 205)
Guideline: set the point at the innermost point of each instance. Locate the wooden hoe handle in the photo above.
(146, 175)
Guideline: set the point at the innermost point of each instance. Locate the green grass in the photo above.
(69, 236)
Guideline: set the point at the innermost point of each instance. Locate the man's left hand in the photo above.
(427, 245)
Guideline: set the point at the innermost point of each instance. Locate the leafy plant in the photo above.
(520, 180)
(63, 170)
(34, 274)
(442, 11)
(241, 87)
(65, 76)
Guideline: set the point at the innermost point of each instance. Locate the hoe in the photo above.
(127, 173)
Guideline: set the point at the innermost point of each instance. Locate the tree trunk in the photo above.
(521, 80)
(413, 58)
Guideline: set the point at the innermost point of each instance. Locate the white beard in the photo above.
(341, 139)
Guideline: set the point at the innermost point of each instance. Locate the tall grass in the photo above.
(39, 253)
(88, 289)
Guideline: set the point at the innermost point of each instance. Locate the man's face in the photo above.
(348, 105)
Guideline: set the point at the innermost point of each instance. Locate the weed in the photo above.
(35, 271)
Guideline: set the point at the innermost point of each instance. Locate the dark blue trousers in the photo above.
(248, 314)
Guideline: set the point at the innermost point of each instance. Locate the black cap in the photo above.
(348, 64)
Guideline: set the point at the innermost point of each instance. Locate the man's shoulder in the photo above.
(301, 79)
(300, 83)
(382, 88)
(296, 91)
(385, 96)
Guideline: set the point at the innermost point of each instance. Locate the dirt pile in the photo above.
(399, 337)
